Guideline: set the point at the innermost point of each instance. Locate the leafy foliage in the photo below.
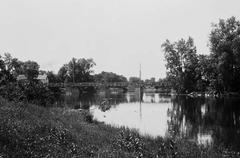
(134, 80)
(31, 70)
(77, 70)
(33, 92)
(225, 52)
(217, 73)
(29, 90)
(181, 64)
(109, 77)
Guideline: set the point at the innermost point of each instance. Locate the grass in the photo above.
(27, 130)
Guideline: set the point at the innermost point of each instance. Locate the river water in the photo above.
(206, 121)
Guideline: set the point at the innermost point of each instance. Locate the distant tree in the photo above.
(109, 77)
(80, 70)
(164, 83)
(2, 70)
(13, 66)
(181, 64)
(31, 70)
(8, 69)
(53, 78)
(225, 53)
(77, 70)
(134, 80)
(63, 73)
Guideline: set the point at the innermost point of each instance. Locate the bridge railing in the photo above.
(97, 84)
(89, 84)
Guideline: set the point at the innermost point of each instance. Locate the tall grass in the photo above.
(27, 130)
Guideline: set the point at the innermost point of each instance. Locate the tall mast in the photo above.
(140, 73)
(140, 93)
(140, 78)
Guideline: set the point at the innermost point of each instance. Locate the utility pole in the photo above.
(140, 93)
(140, 73)
(140, 77)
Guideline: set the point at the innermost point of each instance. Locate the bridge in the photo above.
(123, 85)
(92, 84)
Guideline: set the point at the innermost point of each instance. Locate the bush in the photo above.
(130, 142)
(33, 92)
(88, 117)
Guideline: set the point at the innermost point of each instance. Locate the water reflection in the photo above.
(206, 121)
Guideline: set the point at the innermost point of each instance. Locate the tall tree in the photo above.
(13, 65)
(225, 52)
(206, 73)
(8, 66)
(63, 73)
(181, 64)
(77, 70)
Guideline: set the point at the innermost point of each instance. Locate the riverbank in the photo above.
(27, 130)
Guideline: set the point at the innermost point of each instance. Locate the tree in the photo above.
(2, 71)
(181, 64)
(134, 80)
(34, 92)
(206, 73)
(13, 65)
(164, 83)
(225, 52)
(31, 70)
(53, 78)
(109, 77)
(7, 68)
(63, 73)
(77, 70)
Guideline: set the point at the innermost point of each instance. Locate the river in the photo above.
(206, 121)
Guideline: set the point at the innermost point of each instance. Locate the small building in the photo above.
(21, 78)
(42, 78)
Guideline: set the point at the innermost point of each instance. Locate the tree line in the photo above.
(217, 72)
(30, 89)
(76, 70)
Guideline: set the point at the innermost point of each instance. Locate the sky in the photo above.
(117, 34)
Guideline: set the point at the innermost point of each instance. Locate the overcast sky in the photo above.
(117, 34)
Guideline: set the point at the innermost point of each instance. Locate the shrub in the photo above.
(87, 116)
(131, 142)
(33, 92)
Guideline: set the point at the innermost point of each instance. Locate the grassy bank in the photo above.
(28, 130)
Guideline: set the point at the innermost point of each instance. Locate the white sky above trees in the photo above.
(117, 34)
